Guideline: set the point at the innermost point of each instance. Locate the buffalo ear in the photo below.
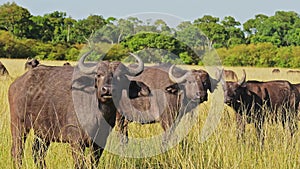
(172, 89)
(144, 89)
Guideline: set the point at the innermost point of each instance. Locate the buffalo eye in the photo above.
(100, 75)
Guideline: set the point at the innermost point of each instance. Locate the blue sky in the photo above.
(241, 10)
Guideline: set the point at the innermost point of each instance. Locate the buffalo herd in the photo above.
(52, 101)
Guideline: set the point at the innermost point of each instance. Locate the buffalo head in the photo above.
(31, 63)
(191, 84)
(233, 91)
(111, 76)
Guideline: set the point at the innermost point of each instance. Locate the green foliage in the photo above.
(72, 54)
(186, 59)
(261, 54)
(166, 46)
(15, 19)
(14, 48)
(116, 52)
(280, 29)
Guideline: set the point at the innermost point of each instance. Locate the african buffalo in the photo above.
(45, 99)
(31, 63)
(171, 93)
(3, 70)
(275, 71)
(250, 98)
(293, 71)
(66, 64)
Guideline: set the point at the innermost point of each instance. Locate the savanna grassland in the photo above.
(220, 150)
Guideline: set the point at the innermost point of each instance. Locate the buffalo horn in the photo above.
(139, 69)
(83, 68)
(177, 79)
(243, 80)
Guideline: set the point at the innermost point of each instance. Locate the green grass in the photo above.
(220, 150)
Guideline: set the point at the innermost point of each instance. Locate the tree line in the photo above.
(260, 41)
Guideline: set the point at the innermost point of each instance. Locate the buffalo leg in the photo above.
(166, 123)
(289, 119)
(78, 156)
(259, 122)
(240, 122)
(18, 143)
(97, 152)
(292, 122)
(122, 128)
(39, 151)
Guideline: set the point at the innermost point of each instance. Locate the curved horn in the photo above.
(83, 68)
(177, 79)
(243, 80)
(139, 69)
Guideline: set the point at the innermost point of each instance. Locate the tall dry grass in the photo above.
(220, 150)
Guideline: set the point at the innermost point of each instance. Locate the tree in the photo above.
(192, 36)
(216, 32)
(86, 28)
(276, 29)
(15, 19)
(162, 26)
(251, 26)
(234, 33)
(293, 37)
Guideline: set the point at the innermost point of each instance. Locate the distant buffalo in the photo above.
(31, 63)
(45, 99)
(66, 64)
(249, 98)
(3, 70)
(293, 71)
(275, 71)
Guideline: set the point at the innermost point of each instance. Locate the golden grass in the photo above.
(220, 150)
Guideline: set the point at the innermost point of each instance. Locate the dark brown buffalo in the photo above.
(293, 71)
(171, 93)
(31, 63)
(253, 98)
(3, 70)
(42, 99)
(275, 71)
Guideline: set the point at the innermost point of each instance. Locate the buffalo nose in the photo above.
(198, 94)
(105, 90)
